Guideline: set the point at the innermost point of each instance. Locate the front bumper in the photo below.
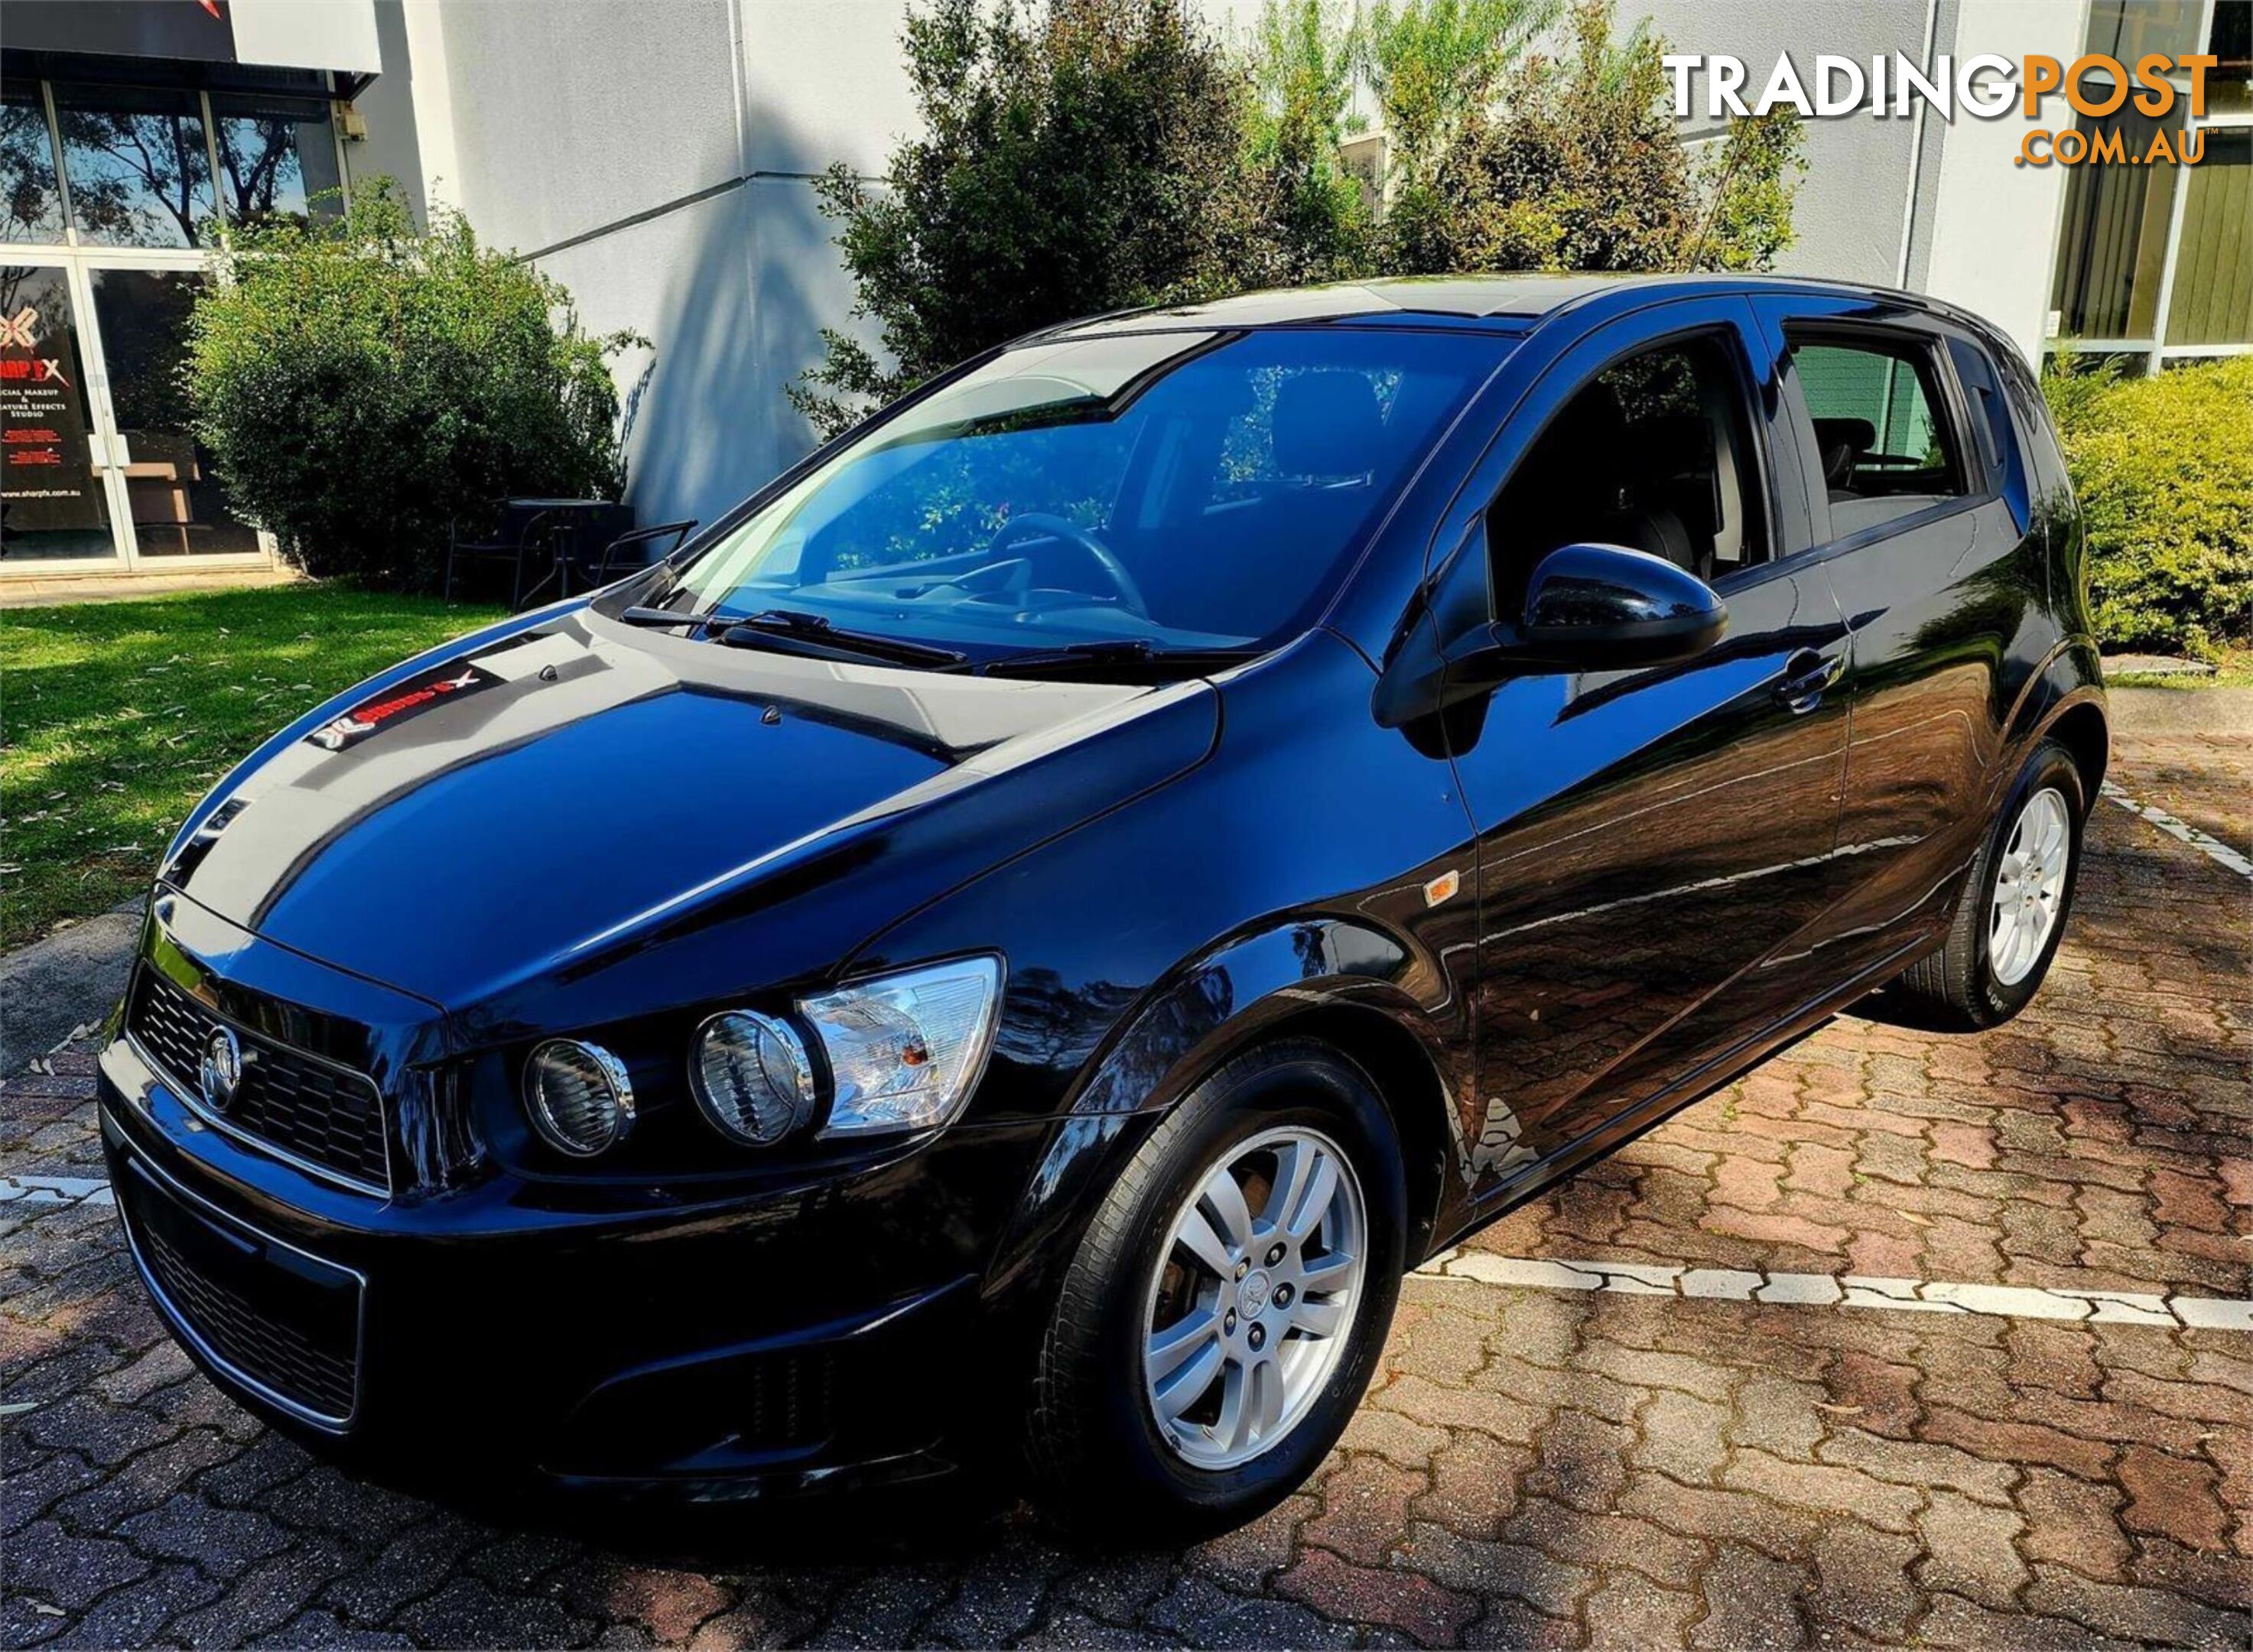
(813, 1335)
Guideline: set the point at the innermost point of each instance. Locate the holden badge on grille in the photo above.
(222, 1068)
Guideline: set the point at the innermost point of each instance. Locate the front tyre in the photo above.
(2015, 900)
(1229, 1300)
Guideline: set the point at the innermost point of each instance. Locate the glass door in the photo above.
(127, 188)
(172, 507)
(55, 498)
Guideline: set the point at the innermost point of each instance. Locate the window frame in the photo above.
(1902, 337)
(1736, 341)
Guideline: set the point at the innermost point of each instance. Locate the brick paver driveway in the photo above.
(1717, 1440)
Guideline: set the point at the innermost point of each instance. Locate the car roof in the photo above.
(1501, 303)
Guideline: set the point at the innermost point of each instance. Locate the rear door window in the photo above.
(1882, 428)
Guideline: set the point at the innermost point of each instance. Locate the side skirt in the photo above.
(1649, 1114)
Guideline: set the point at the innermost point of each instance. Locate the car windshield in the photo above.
(1161, 491)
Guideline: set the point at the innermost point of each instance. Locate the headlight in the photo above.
(904, 1050)
(751, 1077)
(578, 1095)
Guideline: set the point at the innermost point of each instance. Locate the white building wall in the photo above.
(658, 159)
(1994, 223)
(1853, 198)
(408, 100)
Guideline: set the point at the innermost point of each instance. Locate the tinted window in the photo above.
(33, 205)
(1880, 429)
(139, 168)
(1653, 453)
(276, 157)
(1194, 489)
(1990, 415)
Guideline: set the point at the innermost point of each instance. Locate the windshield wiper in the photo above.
(1136, 651)
(662, 616)
(815, 638)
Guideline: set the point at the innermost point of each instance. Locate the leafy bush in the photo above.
(2163, 467)
(359, 382)
(1571, 162)
(1301, 69)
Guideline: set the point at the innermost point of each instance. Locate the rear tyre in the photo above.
(2016, 896)
(1229, 1302)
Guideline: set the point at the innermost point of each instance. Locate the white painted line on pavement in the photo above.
(1847, 1290)
(16, 1189)
(1643, 1278)
(2212, 848)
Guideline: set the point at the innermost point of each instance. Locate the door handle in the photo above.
(1807, 675)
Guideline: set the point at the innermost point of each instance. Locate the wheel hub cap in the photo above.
(1253, 1296)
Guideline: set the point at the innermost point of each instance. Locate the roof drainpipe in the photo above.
(1916, 145)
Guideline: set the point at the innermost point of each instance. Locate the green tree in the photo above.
(1302, 66)
(1075, 158)
(1575, 165)
(1083, 156)
(360, 382)
(1437, 68)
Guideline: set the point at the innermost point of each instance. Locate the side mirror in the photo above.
(1607, 608)
(1586, 607)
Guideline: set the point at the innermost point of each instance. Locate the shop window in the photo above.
(51, 496)
(276, 157)
(34, 200)
(138, 167)
(2126, 30)
(2113, 249)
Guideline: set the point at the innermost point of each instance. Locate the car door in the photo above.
(1655, 845)
(1925, 534)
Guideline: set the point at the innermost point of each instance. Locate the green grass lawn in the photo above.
(116, 717)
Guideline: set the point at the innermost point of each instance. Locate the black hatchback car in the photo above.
(1020, 933)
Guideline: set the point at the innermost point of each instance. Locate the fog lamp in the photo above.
(751, 1077)
(579, 1097)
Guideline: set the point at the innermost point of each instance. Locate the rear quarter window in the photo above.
(1990, 417)
(2030, 415)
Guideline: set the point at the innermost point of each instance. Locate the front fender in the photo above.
(1200, 1014)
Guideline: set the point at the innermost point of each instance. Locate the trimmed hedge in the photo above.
(2163, 467)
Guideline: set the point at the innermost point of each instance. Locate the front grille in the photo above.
(323, 1114)
(289, 1323)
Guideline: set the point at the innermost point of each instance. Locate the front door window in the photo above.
(52, 503)
(176, 507)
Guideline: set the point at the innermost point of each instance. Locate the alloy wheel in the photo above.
(1254, 1296)
(2029, 887)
